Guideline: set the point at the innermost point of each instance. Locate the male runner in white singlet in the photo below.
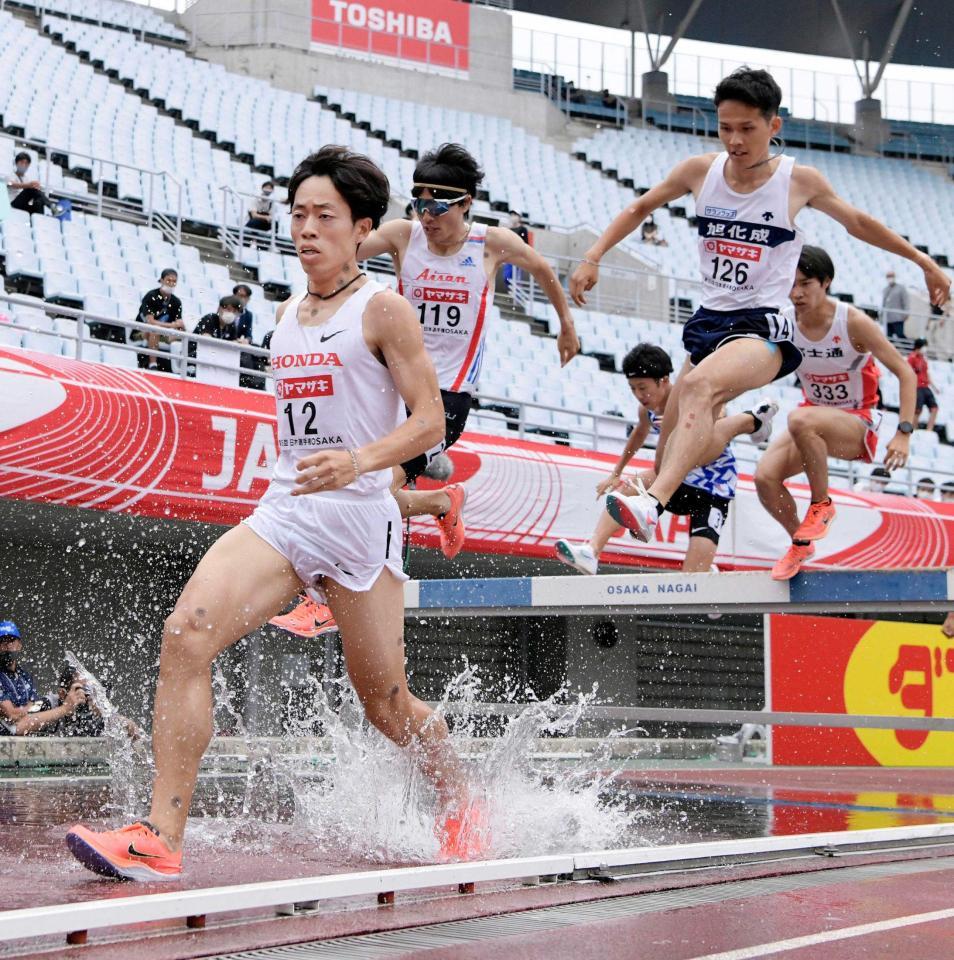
(348, 359)
(839, 417)
(446, 266)
(738, 340)
(705, 494)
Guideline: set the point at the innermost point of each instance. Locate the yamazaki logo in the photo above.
(294, 388)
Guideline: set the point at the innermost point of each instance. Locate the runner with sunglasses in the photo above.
(446, 265)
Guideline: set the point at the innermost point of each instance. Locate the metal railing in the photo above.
(234, 232)
(183, 366)
(525, 418)
(103, 172)
(88, 15)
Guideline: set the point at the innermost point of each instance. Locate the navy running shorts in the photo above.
(707, 330)
(926, 398)
(456, 408)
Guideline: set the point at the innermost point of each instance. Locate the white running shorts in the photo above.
(348, 539)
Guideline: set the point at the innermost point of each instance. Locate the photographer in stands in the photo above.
(21, 711)
(86, 720)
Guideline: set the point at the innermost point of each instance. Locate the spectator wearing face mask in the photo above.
(160, 308)
(260, 216)
(21, 711)
(223, 324)
(26, 193)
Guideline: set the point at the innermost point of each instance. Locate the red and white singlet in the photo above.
(450, 296)
(332, 393)
(833, 373)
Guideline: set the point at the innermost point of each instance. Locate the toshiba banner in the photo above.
(830, 665)
(430, 32)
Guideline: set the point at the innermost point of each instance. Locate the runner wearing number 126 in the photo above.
(746, 202)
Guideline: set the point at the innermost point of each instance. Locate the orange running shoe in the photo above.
(464, 835)
(791, 563)
(308, 619)
(132, 853)
(817, 521)
(453, 531)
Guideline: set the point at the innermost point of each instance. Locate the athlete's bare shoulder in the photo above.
(386, 308)
(691, 172)
(809, 182)
(862, 330)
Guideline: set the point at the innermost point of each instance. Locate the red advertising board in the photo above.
(831, 665)
(434, 32)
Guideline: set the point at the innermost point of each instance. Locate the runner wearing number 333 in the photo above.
(746, 201)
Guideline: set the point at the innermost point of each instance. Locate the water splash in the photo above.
(128, 756)
(373, 802)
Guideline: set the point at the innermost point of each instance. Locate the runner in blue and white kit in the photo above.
(747, 200)
(706, 493)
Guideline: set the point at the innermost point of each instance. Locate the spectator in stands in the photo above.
(894, 307)
(21, 710)
(223, 324)
(649, 233)
(926, 488)
(243, 326)
(947, 491)
(160, 307)
(26, 194)
(926, 398)
(607, 99)
(876, 482)
(260, 216)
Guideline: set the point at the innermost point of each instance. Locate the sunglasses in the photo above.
(436, 205)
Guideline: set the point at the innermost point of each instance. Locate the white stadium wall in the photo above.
(270, 39)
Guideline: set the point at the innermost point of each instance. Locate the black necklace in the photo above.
(334, 293)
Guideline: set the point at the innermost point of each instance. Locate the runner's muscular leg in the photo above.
(238, 585)
(700, 555)
(671, 415)
(371, 624)
(779, 462)
(820, 433)
(737, 366)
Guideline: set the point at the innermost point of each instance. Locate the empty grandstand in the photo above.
(152, 132)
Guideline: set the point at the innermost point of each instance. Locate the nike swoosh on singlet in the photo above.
(325, 337)
(133, 852)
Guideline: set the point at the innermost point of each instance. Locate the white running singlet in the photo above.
(332, 393)
(833, 373)
(748, 247)
(450, 297)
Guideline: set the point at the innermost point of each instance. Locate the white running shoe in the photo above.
(579, 556)
(636, 513)
(765, 411)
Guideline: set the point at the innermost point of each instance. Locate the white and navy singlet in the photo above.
(748, 245)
